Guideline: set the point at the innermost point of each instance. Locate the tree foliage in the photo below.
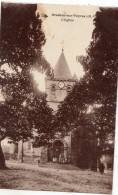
(102, 65)
(22, 37)
(92, 102)
(41, 119)
(21, 51)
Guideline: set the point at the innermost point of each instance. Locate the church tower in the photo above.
(58, 87)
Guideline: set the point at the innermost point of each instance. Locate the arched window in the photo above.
(68, 89)
(53, 89)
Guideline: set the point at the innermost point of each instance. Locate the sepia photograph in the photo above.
(58, 92)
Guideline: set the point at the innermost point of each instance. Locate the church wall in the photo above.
(14, 151)
(30, 154)
(9, 149)
(53, 105)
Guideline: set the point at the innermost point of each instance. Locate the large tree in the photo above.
(101, 63)
(92, 102)
(20, 50)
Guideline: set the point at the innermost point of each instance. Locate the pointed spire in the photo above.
(61, 70)
(62, 46)
(75, 77)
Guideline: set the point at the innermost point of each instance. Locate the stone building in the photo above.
(57, 88)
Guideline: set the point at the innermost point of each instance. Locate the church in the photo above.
(63, 149)
(58, 87)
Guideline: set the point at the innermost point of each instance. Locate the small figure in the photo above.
(101, 168)
(61, 158)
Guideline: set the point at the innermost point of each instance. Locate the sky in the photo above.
(74, 35)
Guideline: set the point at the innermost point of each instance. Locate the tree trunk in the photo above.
(2, 158)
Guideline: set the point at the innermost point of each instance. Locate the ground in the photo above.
(54, 177)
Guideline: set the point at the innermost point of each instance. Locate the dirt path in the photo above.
(53, 177)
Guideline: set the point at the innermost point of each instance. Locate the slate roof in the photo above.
(61, 70)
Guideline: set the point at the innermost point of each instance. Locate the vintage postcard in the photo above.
(58, 86)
